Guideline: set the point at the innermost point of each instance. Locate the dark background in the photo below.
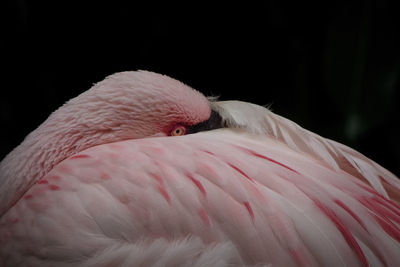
(333, 67)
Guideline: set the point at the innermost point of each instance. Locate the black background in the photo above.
(333, 67)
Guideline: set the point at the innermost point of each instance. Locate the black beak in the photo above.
(214, 122)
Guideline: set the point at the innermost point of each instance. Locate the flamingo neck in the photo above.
(54, 141)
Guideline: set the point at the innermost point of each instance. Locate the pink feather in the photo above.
(261, 192)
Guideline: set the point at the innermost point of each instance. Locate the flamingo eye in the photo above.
(178, 130)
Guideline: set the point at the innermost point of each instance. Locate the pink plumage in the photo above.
(101, 183)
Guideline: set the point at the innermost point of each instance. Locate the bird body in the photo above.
(261, 191)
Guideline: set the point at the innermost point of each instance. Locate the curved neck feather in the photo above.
(36, 156)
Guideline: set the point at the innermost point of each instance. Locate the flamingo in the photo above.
(142, 170)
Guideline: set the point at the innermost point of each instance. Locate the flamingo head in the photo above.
(132, 105)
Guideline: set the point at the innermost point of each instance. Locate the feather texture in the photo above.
(260, 120)
(277, 207)
(261, 192)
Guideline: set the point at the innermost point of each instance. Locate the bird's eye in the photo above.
(178, 130)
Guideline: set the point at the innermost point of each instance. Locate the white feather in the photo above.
(261, 121)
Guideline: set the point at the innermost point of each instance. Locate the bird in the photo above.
(143, 170)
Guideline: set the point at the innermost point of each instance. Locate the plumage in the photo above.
(261, 191)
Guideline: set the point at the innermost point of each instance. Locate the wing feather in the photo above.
(222, 193)
(261, 121)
